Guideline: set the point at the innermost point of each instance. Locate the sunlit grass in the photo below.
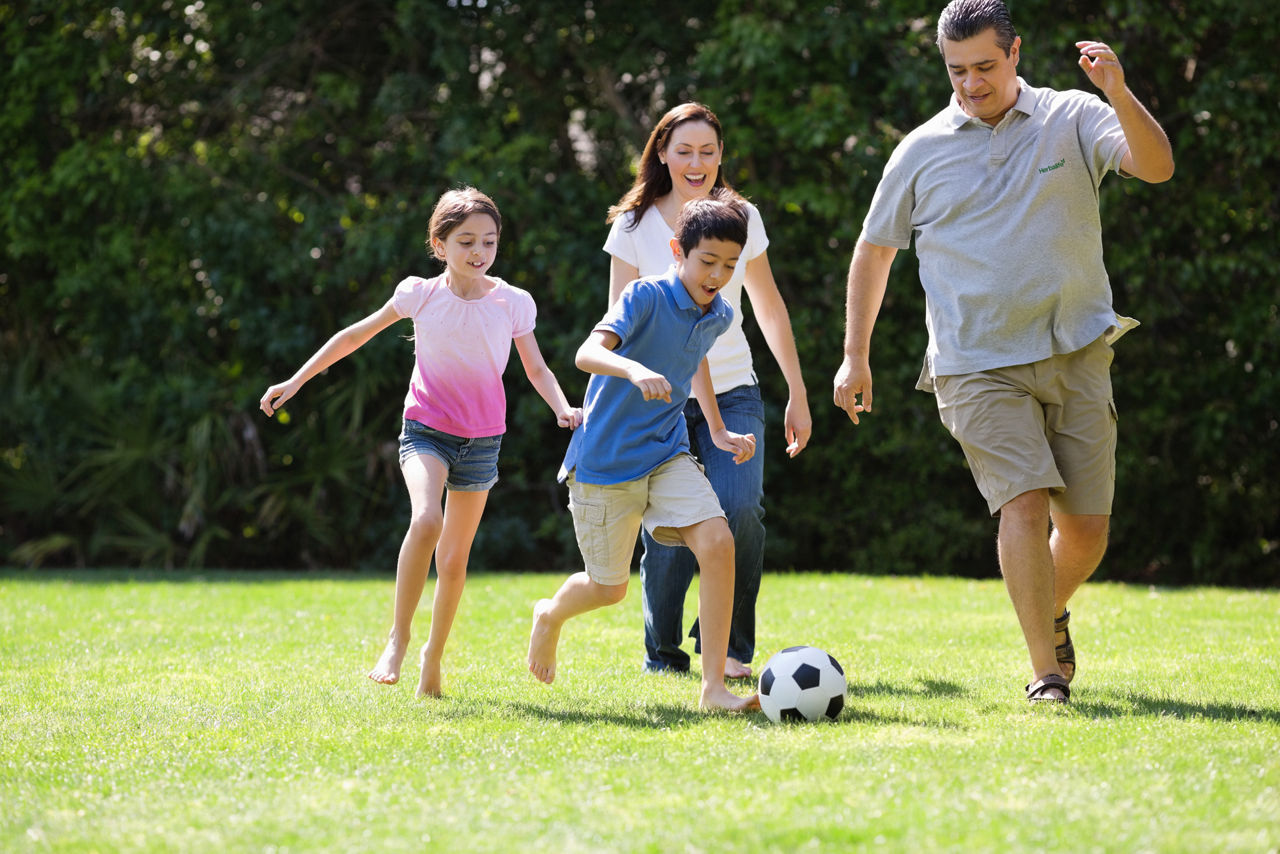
(230, 712)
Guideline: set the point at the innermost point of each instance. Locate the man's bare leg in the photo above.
(1027, 565)
(1077, 544)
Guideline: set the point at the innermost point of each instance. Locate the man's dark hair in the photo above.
(720, 216)
(964, 19)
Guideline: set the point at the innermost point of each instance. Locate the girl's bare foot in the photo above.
(387, 670)
(716, 697)
(429, 683)
(734, 669)
(542, 643)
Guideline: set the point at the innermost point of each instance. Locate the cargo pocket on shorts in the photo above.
(589, 523)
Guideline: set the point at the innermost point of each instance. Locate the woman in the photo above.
(681, 161)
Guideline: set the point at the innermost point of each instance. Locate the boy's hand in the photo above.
(742, 446)
(570, 418)
(652, 386)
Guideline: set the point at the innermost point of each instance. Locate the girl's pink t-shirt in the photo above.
(461, 349)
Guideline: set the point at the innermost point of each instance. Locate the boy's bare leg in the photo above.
(578, 595)
(424, 477)
(712, 544)
(462, 514)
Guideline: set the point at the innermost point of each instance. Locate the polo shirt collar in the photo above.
(1028, 99)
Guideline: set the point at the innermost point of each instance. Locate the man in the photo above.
(999, 191)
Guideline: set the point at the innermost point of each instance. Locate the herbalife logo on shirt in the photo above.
(1050, 168)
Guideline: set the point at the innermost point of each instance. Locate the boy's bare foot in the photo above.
(719, 698)
(734, 669)
(542, 643)
(387, 670)
(429, 683)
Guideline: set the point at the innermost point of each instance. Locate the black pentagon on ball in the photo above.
(834, 707)
(807, 676)
(791, 715)
(766, 681)
(791, 649)
(835, 664)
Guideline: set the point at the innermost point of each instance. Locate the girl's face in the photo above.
(692, 156)
(470, 249)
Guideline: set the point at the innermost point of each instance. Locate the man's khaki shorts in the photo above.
(607, 519)
(1047, 425)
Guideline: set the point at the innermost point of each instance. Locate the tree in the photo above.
(201, 194)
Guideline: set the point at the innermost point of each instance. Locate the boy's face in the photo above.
(706, 269)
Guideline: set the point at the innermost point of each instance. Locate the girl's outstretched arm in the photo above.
(544, 381)
(342, 344)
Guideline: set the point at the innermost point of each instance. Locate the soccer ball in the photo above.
(802, 683)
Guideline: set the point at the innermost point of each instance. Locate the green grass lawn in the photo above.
(229, 712)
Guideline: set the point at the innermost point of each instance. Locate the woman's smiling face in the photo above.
(692, 156)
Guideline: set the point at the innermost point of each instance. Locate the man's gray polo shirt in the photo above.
(1007, 228)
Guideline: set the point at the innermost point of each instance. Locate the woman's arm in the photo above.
(621, 274)
(775, 323)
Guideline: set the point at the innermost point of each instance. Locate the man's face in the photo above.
(984, 79)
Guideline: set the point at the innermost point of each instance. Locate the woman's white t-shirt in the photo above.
(647, 247)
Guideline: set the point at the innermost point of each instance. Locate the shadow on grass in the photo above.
(917, 688)
(659, 716)
(1132, 703)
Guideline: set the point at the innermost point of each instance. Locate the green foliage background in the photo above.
(198, 195)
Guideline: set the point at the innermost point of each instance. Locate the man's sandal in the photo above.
(1066, 651)
(1038, 691)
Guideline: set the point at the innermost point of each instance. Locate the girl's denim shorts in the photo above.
(472, 463)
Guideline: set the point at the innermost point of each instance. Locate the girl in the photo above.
(681, 161)
(455, 410)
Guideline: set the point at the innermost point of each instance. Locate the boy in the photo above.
(629, 463)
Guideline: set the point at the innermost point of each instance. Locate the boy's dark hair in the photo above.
(964, 19)
(722, 215)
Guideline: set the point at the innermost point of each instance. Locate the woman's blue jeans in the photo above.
(666, 571)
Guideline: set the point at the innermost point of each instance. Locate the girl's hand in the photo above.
(742, 446)
(283, 391)
(570, 418)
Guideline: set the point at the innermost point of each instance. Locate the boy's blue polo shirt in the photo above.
(623, 436)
